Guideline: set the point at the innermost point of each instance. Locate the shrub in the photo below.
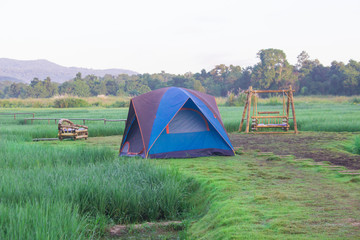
(273, 101)
(70, 103)
(119, 104)
(355, 100)
(24, 104)
(96, 104)
(236, 100)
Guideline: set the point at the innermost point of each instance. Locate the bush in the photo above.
(97, 104)
(273, 101)
(355, 100)
(24, 104)
(236, 100)
(119, 104)
(70, 103)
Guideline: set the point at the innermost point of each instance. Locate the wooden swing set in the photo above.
(266, 120)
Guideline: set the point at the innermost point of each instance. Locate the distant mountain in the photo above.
(9, 79)
(25, 70)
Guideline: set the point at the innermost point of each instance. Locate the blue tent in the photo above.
(174, 122)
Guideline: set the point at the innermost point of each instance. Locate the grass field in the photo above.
(75, 190)
(265, 197)
(78, 189)
(336, 117)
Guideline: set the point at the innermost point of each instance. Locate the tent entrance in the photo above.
(132, 145)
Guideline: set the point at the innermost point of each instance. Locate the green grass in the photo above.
(126, 192)
(42, 220)
(328, 117)
(250, 197)
(41, 129)
(353, 146)
(76, 189)
(14, 155)
(310, 117)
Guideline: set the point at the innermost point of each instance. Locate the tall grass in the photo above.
(354, 146)
(72, 190)
(310, 117)
(24, 156)
(42, 220)
(333, 114)
(127, 191)
(357, 145)
(61, 101)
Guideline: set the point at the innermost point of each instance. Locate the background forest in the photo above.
(273, 71)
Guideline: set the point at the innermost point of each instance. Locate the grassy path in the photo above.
(250, 197)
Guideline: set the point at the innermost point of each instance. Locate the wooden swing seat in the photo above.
(270, 122)
(261, 125)
(269, 112)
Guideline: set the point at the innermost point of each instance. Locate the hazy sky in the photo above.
(176, 36)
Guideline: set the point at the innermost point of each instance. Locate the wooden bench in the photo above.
(68, 129)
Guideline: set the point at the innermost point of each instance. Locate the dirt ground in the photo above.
(317, 146)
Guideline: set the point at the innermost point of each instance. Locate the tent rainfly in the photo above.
(174, 123)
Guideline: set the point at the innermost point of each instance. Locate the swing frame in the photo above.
(278, 121)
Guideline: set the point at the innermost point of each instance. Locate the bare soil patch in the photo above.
(303, 145)
(150, 230)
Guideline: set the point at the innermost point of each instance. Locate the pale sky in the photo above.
(177, 36)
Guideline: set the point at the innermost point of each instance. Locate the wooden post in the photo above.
(249, 110)
(244, 113)
(84, 121)
(14, 116)
(293, 110)
(288, 105)
(32, 121)
(254, 106)
(49, 121)
(33, 115)
(104, 121)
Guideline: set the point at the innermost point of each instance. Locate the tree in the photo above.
(303, 58)
(304, 73)
(111, 87)
(337, 77)
(273, 71)
(17, 90)
(80, 89)
(198, 86)
(217, 82)
(96, 85)
(76, 87)
(244, 81)
(352, 81)
(51, 88)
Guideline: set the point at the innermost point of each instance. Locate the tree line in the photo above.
(273, 71)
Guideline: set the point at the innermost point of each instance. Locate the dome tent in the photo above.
(174, 123)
